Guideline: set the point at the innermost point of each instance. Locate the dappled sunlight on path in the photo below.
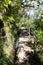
(24, 50)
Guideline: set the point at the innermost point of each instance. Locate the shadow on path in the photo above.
(34, 59)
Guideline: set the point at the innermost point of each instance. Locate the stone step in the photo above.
(26, 39)
(22, 39)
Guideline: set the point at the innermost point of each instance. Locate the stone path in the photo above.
(24, 49)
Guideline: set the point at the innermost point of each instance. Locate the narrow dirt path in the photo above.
(24, 50)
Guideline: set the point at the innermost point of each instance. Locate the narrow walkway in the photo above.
(24, 48)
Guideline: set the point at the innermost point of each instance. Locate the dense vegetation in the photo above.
(14, 16)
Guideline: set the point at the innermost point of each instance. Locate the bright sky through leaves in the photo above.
(33, 8)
